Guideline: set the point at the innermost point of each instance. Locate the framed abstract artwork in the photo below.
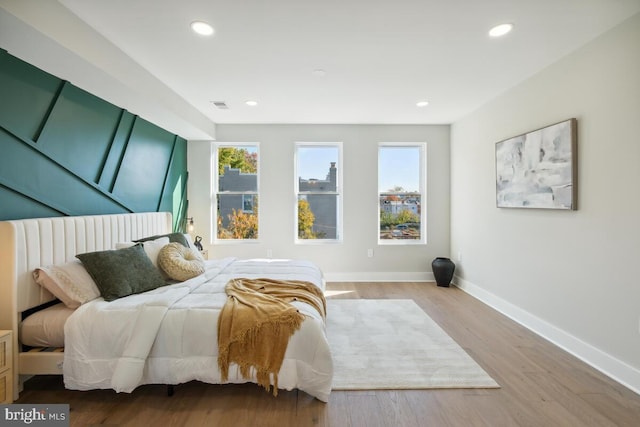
(538, 169)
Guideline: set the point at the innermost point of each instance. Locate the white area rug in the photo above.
(393, 344)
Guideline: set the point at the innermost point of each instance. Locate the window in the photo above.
(402, 193)
(235, 184)
(318, 192)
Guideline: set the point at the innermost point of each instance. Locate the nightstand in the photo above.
(6, 367)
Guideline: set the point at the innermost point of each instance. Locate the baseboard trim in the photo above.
(372, 276)
(616, 369)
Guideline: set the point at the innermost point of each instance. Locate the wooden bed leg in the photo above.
(169, 390)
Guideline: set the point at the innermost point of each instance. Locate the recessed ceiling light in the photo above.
(202, 28)
(422, 103)
(500, 30)
(251, 103)
(319, 73)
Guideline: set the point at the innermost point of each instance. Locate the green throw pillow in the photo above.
(173, 237)
(122, 272)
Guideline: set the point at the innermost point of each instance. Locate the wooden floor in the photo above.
(541, 385)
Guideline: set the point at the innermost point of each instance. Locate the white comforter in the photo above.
(169, 335)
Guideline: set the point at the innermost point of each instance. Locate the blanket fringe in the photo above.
(250, 338)
(254, 328)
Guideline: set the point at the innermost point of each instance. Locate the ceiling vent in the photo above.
(221, 105)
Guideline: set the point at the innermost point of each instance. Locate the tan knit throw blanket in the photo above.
(256, 322)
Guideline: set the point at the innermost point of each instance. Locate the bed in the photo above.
(166, 335)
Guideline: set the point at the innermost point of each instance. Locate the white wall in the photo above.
(348, 260)
(569, 275)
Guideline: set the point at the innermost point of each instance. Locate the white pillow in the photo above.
(45, 328)
(69, 282)
(189, 240)
(151, 248)
(193, 246)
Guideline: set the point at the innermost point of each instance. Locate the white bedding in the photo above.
(169, 335)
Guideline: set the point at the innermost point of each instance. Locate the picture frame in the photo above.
(538, 169)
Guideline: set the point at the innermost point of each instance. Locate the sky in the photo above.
(397, 166)
(314, 162)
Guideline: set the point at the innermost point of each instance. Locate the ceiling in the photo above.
(379, 57)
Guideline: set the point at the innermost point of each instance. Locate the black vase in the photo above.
(443, 269)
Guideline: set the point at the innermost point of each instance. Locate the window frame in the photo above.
(215, 181)
(422, 146)
(339, 193)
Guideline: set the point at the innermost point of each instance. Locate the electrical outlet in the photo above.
(459, 256)
(269, 253)
(370, 253)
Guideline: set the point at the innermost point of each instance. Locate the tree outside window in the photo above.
(236, 183)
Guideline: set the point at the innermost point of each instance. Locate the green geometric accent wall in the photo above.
(64, 151)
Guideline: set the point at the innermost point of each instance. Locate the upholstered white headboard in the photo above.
(29, 243)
